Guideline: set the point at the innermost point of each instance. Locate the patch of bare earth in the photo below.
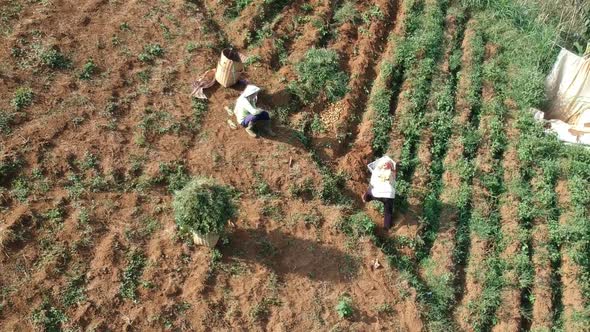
(572, 298)
(509, 315)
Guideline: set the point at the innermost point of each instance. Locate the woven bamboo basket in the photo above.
(209, 240)
(229, 68)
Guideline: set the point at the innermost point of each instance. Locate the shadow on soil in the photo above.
(283, 134)
(285, 254)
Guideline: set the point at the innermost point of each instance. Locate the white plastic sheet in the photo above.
(568, 87)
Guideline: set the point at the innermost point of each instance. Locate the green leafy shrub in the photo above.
(357, 225)
(54, 59)
(23, 97)
(270, 9)
(191, 47)
(75, 186)
(9, 168)
(281, 114)
(49, 317)
(253, 59)
(74, 293)
(319, 71)
(333, 185)
(256, 37)
(373, 13)
(261, 187)
(98, 184)
(235, 10)
(21, 189)
(282, 52)
(157, 122)
(385, 309)
(200, 108)
(306, 8)
(88, 70)
(89, 161)
(317, 126)
(203, 206)
(130, 279)
(344, 307)
(150, 52)
(262, 309)
(6, 121)
(174, 174)
(304, 189)
(313, 218)
(347, 13)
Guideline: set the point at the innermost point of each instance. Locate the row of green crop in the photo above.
(522, 260)
(534, 188)
(469, 138)
(433, 307)
(533, 148)
(548, 213)
(481, 219)
(442, 99)
(416, 60)
(441, 124)
(442, 287)
(526, 45)
(262, 29)
(437, 291)
(412, 119)
(486, 221)
(445, 286)
(384, 95)
(576, 234)
(544, 157)
(434, 296)
(442, 293)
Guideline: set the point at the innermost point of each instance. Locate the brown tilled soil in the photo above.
(443, 246)
(509, 315)
(277, 272)
(543, 306)
(360, 150)
(482, 206)
(572, 298)
(89, 205)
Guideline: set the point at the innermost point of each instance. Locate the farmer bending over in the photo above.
(248, 115)
(382, 187)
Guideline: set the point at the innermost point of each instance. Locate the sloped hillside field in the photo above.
(98, 131)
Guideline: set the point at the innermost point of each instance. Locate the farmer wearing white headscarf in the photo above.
(248, 115)
(382, 187)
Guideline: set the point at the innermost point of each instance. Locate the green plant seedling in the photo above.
(344, 307)
(23, 97)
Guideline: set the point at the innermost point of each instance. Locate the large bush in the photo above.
(203, 206)
(319, 71)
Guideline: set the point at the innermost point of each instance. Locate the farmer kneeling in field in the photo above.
(248, 115)
(382, 187)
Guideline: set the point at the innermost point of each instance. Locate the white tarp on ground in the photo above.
(568, 90)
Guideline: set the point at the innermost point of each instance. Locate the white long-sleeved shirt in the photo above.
(243, 108)
(243, 105)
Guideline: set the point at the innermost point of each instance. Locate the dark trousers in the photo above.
(262, 116)
(387, 208)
